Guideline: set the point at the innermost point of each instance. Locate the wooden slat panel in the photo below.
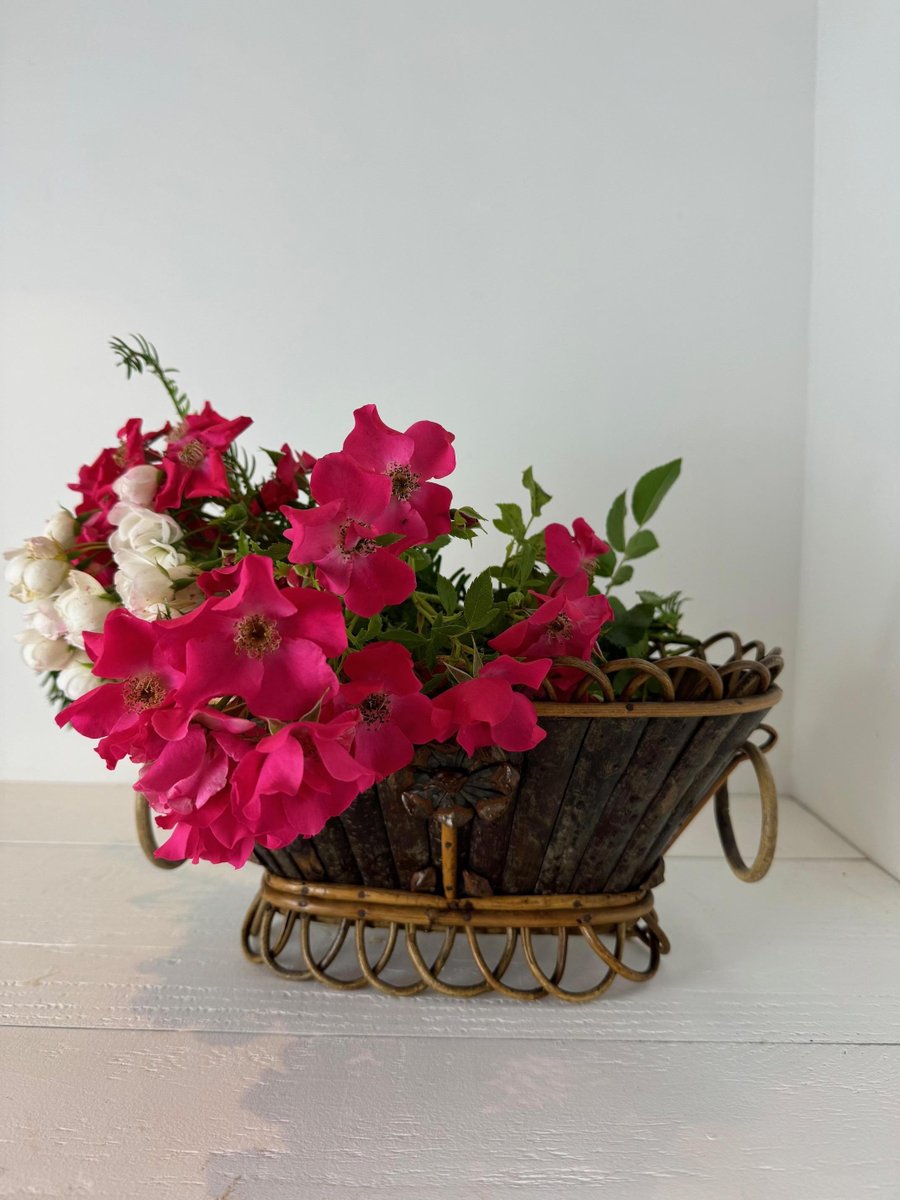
(605, 753)
(546, 774)
(364, 827)
(335, 854)
(407, 835)
(692, 764)
(657, 750)
(739, 731)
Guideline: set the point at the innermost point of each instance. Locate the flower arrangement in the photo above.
(267, 649)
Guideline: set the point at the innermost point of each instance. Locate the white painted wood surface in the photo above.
(143, 1057)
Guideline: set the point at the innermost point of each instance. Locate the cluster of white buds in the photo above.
(61, 605)
(149, 565)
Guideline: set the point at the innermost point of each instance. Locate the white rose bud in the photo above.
(76, 680)
(43, 617)
(42, 654)
(83, 606)
(146, 589)
(142, 531)
(37, 570)
(61, 529)
(138, 485)
(41, 577)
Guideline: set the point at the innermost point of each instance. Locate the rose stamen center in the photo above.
(192, 453)
(404, 481)
(144, 691)
(256, 636)
(560, 629)
(375, 709)
(360, 548)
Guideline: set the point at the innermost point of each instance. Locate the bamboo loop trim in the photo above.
(625, 918)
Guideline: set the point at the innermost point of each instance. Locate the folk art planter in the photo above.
(564, 841)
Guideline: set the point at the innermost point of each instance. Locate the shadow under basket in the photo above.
(563, 842)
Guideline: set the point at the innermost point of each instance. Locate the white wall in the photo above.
(847, 760)
(577, 234)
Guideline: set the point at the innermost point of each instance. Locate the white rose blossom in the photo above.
(144, 546)
(76, 679)
(82, 607)
(138, 485)
(44, 654)
(61, 529)
(37, 570)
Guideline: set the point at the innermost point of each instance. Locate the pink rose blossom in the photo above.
(264, 643)
(393, 713)
(418, 509)
(284, 487)
(190, 770)
(485, 711)
(563, 624)
(214, 833)
(192, 465)
(572, 555)
(338, 537)
(140, 708)
(291, 783)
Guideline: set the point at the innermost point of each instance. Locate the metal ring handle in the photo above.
(769, 833)
(147, 838)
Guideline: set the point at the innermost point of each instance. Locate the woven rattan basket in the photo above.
(565, 840)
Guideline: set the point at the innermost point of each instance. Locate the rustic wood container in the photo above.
(567, 839)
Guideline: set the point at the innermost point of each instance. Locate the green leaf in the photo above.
(653, 598)
(388, 539)
(511, 522)
(615, 522)
(448, 594)
(630, 625)
(605, 564)
(526, 563)
(623, 574)
(482, 619)
(479, 600)
(651, 488)
(640, 544)
(538, 496)
(406, 637)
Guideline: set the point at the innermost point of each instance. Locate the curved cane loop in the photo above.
(592, 674)
(650, 929)
(462, 991)
(644, 670)
(756, 645)
(746, 677)
(278, 944)
(495, 977)
(725, 635)
(771, 737)
(250, 929)
(681, 666)
(146, 837)
(769, 832)
(552, 983)
(373, 975)
(265, 949)
(615, 960)
(774, 662)
(319, 969)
